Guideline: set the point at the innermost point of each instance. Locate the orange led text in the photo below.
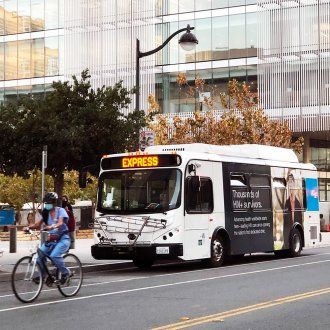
(142, 161)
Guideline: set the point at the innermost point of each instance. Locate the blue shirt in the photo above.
(59, 213)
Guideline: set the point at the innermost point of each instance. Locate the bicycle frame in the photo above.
(43, 257)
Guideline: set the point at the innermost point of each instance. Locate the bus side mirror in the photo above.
(82, 179)
(191, 168)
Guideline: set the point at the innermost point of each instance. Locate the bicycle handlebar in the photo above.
(32, 232)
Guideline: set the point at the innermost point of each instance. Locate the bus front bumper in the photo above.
(154, 251)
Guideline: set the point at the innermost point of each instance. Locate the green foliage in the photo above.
(17, 190)
(77, 123)
(72, 190)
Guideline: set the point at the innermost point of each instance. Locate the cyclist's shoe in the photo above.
(36, 279)
(65, 279)
(53, 272)
(51, 278)
(49, 281)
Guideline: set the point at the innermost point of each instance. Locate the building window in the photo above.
(220, 38)
(324, 190)
(38, 57)
(2, 18)
(51, 14)
(10, 16)
(24, 59)
(24, 16)
(37, 15)
(51, 56)
(320, 157)
(11, 60)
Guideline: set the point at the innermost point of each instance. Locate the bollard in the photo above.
(12, 240)
(72, 235)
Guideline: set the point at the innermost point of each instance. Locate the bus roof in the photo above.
(253, 151)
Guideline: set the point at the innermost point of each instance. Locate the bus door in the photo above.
(199, 206)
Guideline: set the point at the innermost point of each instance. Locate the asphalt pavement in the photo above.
(256, 292)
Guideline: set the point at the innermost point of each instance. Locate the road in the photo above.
(257, 292)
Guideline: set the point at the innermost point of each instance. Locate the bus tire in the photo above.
(143, 263)
(218, 251)
(296, 243)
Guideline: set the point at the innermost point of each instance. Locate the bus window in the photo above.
(140, 191)
(259, 180)
(111, 195)
(260, 192)
(239, 192)
(279, 194)
(304, 191)
(295, 193)
(199, 197)
(237, 180)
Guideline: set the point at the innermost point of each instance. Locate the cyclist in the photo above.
(55, 219)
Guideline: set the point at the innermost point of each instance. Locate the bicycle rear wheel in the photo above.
(74, 282)
(26, 280)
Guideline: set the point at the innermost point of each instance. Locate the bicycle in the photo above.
(27, 280)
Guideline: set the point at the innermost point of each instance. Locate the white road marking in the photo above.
(159, 286)
(86, 285)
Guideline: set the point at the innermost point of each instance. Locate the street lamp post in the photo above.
(187, 41)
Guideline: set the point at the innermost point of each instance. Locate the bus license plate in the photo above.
(162, 250)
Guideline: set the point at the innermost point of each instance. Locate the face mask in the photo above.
(48, 207)
(64, 204)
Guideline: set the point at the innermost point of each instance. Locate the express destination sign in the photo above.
(140, 161)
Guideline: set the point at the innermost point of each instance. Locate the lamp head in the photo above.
(188, 40)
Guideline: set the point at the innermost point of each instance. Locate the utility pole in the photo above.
(44, 166)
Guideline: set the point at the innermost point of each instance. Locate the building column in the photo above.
(307, 149)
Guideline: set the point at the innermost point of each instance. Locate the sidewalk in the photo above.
(325, 238)
(82, 250)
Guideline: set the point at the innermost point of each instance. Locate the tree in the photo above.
(77, 123)
(17, 191)
(73, 191)
(242, 122)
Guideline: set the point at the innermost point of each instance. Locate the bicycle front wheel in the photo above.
(26, 279)
(73, 284)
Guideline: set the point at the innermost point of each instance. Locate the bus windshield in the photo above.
(140, 191)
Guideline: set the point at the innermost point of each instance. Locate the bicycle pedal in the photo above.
(49, 282)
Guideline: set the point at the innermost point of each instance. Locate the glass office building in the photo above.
(31, 38)
(227, 49)
(101, 35)
(279, 47)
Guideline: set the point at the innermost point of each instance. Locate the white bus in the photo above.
(202, 201)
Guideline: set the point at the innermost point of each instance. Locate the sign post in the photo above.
(146, 139)
(44, 166)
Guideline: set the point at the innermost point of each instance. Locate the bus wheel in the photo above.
(295, 243)
(143, 263)
(218, 251)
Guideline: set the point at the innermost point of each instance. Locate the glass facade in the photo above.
(227, 49)
(294, 59)
(320, 157)
(31, 36)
